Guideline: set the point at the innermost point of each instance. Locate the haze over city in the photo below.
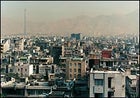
(70, 49)
(65, 17)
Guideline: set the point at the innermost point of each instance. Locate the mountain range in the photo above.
(88, 26)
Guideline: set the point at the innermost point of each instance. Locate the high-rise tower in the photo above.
(24, 22)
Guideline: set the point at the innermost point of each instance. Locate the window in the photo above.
(18, 69)
(75, 64)
(79, 70)
(79, 65)
(74, 70)
(70, 75)
(21, 70)
(70, 64)
(109, 82)
(70, 70)
(93, 89)
(11, 70)
(98, 82)
(79, 75)
(74, 75)
(25, 69)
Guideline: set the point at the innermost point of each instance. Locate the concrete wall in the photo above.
(117, 83)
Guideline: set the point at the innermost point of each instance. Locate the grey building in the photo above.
(107, 84)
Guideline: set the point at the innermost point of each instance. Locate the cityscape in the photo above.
(75, 57)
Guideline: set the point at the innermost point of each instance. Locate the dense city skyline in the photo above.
(70, 49)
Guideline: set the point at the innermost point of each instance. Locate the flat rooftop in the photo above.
(104, 71)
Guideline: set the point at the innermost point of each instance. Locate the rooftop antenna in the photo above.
(24, 23)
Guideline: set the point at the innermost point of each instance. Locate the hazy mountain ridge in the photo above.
(100, 25)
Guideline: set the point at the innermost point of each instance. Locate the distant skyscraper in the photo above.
(24, 22)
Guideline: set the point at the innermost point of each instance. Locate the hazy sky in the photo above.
(52, 10)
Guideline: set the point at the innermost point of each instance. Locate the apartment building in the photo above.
(107, 84)
(76, 68)
(19, 44)
(5, 45)
(94, 60)
(21, 68)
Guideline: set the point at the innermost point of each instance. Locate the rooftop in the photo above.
(77, 59)
(105, 71)
(23, 57)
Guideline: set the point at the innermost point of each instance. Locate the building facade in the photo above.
(5, 46)
(76, 68)
(107, 84)
(21, 69)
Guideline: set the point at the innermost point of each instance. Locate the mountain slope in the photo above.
(90, 26)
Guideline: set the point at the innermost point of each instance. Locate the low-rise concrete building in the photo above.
(21, 69)
(107, 84)
(22, 90)
(24, 69)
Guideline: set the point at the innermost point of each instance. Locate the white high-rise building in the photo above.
(5, 45)
(107, 84)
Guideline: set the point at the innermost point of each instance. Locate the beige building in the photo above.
(5, 45)
(107, 84)
(19, 44)
(63, 64)
(75, 68)
(24, 69)
(21, 69)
